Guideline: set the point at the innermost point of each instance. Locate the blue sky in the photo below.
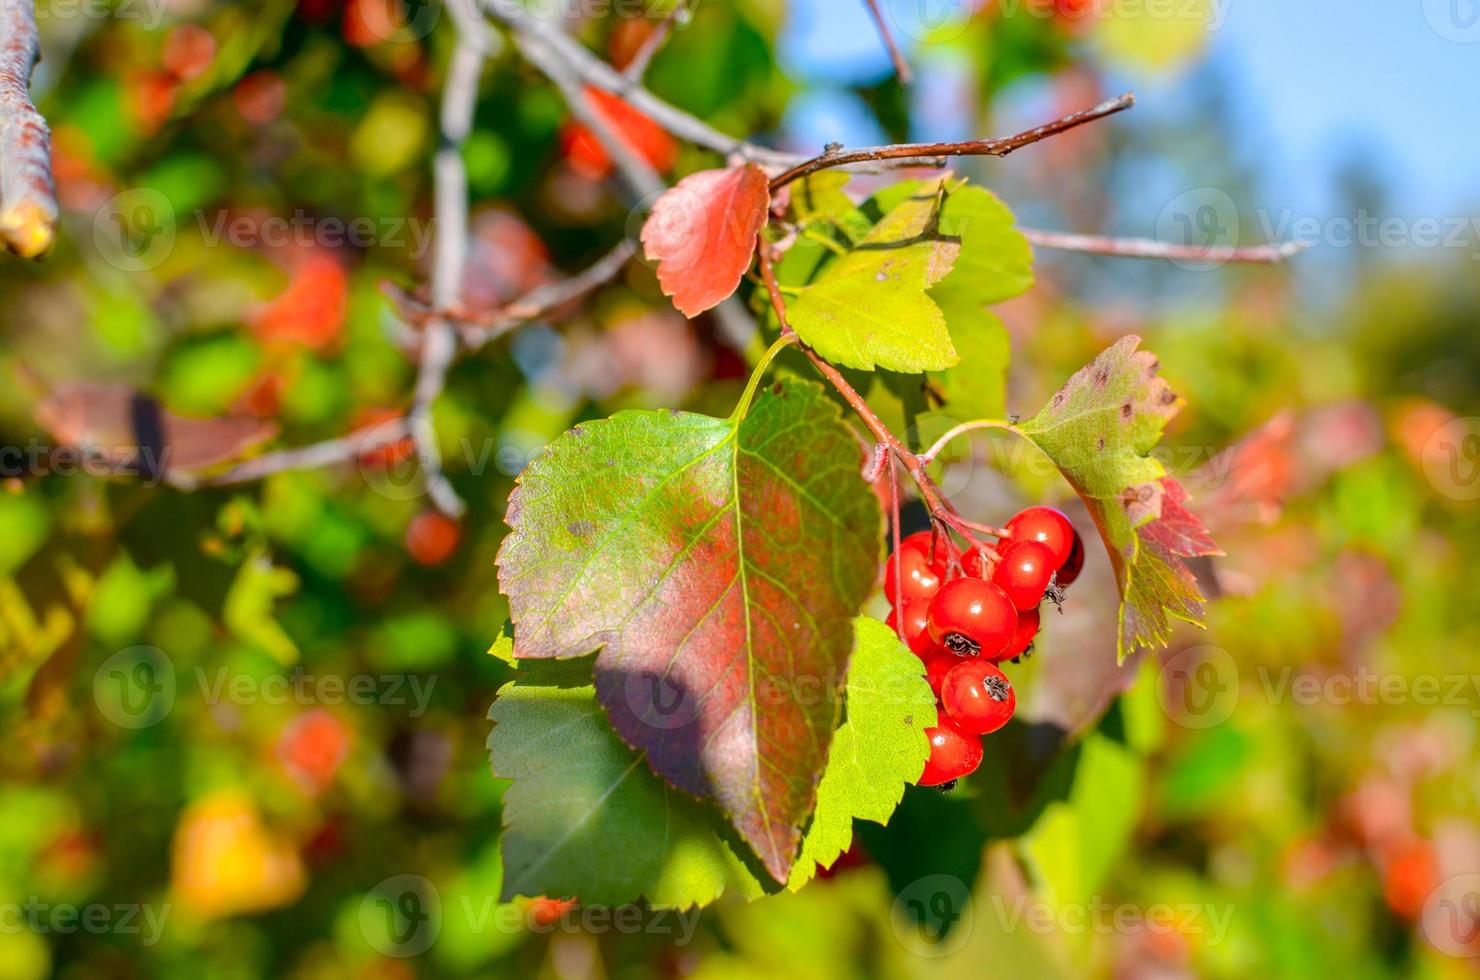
(1397, 81)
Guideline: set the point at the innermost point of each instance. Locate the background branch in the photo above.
(1150, 248)
(901, 67)
(637, 67)
(593, 71)
(28, 204)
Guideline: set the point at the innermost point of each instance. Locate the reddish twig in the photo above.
(988, 147)
(901, 67)
(896, 566)
(28, 203)
(1148, 248)
(936, 502)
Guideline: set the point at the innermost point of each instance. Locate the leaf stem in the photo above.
(965, 427)
(751, 386)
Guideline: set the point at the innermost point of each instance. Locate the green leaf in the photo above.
(879, 749)
(995, 264)
(977, 387)
(248, 611)
(996, 261)
(716, 564)
(820, 197)
(869, 308)
(1075, 843)
(584, 816)
(1099, 429)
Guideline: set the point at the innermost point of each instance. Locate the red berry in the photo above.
(977, 697)
(953, 754)
(1027, 628)
(924, 543)
(910, 622)
(972, 617)
(937, 666)
(1046, 526)
(431, 538)
(1072, 565)
(917, 579)
(1024, 572)
(976, 564)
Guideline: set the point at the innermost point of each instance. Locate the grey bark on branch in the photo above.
(28, 203)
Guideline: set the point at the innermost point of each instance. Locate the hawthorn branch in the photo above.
(999, 147)
(28, 203)
(543, 301)
(940, 507)
(1150, 248)
(901, 67)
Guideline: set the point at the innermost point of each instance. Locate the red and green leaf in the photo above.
(716, 564)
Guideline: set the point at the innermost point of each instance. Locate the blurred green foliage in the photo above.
(235, 717)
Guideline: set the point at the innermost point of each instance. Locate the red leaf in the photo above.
(1178, 530)
(702, 234)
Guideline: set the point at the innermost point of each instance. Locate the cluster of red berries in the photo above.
(963, 613)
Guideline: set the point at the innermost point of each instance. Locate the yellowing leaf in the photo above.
(869, 308)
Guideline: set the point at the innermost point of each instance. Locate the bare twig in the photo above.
(439, 339)
(1149, 248)
(987, 147)
(637, 67)
(28, 203)
(593, 71)
(330, 452)
(901, 67)
(546, 55)
(545, 300)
